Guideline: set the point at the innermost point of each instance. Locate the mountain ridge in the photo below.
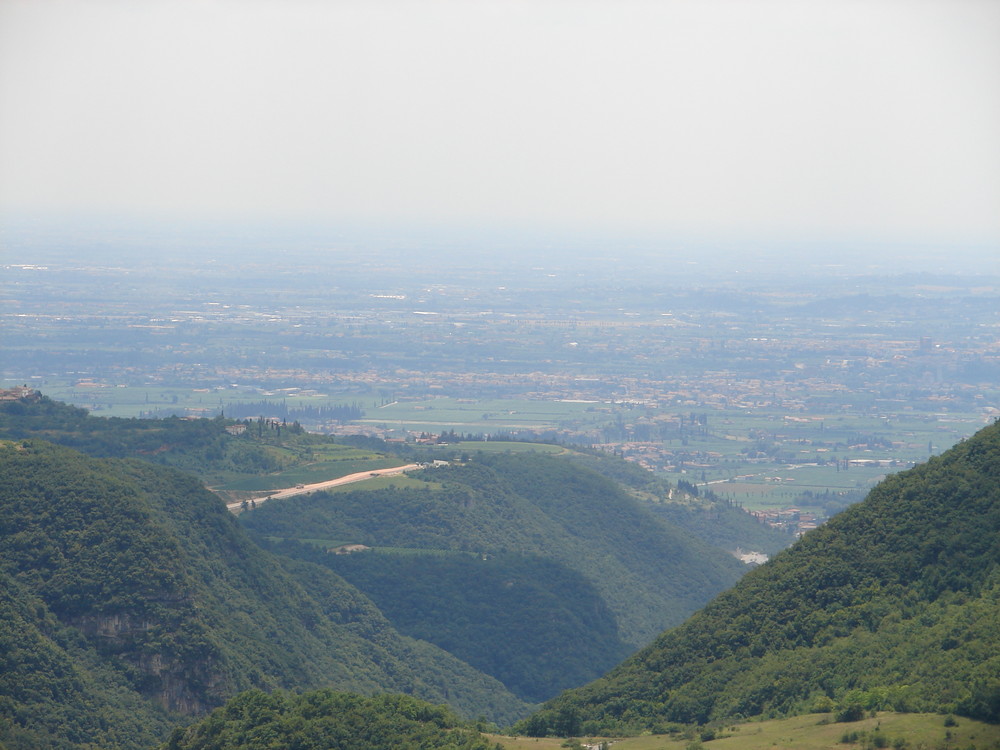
(893, 602)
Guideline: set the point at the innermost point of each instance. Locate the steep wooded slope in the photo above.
(533, 623)
(703, 515)
(893, 603)
(650, 574)
(131, 576)
(564, 521)
(56, 691)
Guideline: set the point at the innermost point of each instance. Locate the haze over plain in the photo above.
(743, 122)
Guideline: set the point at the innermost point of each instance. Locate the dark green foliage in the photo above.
(201, 446)
(983, 700)
(650, 574)
(79, 535)
(851, 712)
(617, 469)
(55, 690)
(405, 664)
(131, 592)
(576, 572)
(328, 720)
(534, 624)
(69, 531)
(645, 569)
(893, 603)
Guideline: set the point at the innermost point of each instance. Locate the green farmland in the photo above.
(758, 457)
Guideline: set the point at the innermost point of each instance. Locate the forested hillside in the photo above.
(131, 597)
(56, 691)
(894, 603)
(205, 448)
(560, 551)
(201, 446)
(533, 623)
(328, 720)
(702, 514)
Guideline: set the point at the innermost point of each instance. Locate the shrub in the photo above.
(854, 712)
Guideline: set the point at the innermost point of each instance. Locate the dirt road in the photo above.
(306, 488)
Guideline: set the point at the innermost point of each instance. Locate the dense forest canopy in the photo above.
(650, 573)
(133, 597)
(328, 720)
(535, 624)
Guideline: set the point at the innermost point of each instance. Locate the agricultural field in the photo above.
(107, 399)
(485, 416)
(500, 446)
(760, 458)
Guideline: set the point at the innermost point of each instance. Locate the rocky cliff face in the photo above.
(116, 627)
(170, 684)
(178, 683)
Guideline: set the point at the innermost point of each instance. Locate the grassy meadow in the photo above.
(808, 732)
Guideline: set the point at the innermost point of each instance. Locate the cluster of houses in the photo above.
(19, 393)
(791, 520)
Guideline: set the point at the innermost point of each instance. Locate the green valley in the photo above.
(554, 573)
(494, 577)
(500, 375)
(124, 571)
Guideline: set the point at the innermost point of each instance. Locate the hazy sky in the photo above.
(877, 119)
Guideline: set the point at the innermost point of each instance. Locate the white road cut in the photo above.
(307, 488)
